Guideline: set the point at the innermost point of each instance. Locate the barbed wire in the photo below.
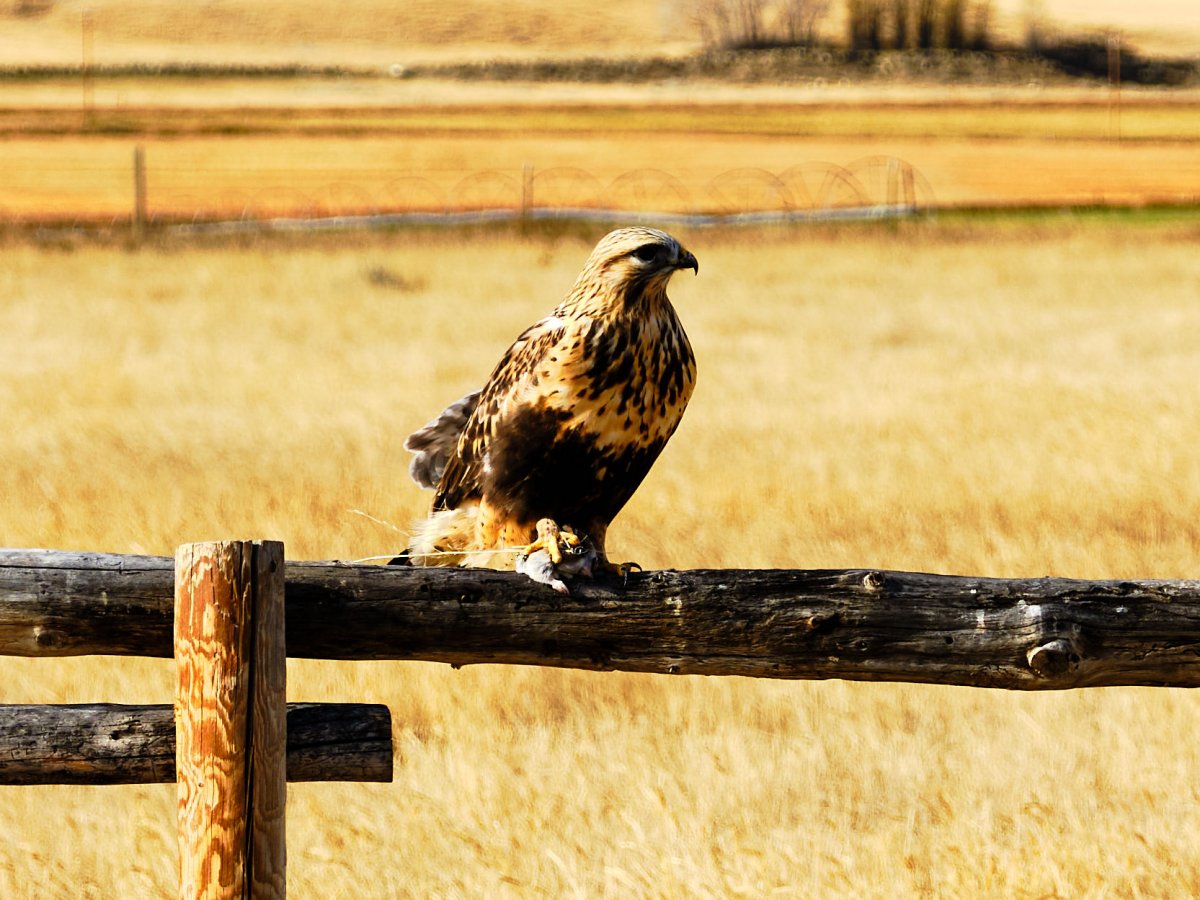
(869, 187)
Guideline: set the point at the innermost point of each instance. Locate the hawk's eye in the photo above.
(646, 253)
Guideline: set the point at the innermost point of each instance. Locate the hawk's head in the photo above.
(639, 258)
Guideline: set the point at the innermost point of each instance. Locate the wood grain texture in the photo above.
(1027, 633)
(65, 603)
(865, 625)
(268, 723)
(108, 743)
(230, 746)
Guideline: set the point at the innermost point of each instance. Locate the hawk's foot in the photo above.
(554, 540)
(556, 552)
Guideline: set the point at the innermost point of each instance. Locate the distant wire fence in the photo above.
(871, 187)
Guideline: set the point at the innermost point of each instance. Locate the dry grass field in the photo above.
(224, 163)
(275, 146)
(1002, 396)
(1009, 397)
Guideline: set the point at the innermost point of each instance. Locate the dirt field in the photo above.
(1012, 397)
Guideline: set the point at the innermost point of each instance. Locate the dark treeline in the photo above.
(871, 25)
(918, 25)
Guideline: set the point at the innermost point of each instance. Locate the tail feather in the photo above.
(434, 442)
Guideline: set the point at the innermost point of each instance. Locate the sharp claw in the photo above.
(626, 568)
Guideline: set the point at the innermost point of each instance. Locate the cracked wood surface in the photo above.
(858, 624)
(110, 743)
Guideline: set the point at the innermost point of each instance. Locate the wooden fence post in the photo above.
(140, 203)
(230, 719)
(87, 42)
(526, 190)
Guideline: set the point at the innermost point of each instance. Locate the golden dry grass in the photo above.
(1003, 400)
(430, 168)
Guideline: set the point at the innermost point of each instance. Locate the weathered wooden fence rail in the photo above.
(1028, 634)
(111, 743)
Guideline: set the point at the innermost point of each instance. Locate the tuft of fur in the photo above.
(446, 537)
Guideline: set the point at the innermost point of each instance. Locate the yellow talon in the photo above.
(557, 541)
(553, 539)
(556, 553)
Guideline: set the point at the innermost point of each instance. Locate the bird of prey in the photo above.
(550, 449)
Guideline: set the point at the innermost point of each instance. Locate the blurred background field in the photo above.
(714, 159)
(1012, 397)
(1005, 393)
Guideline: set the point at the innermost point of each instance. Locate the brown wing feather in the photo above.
(515, 375)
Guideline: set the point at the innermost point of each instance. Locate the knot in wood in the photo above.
(820, 622)
(1056, 657)
(874, 581)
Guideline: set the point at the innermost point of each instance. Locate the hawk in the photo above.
(569, 422)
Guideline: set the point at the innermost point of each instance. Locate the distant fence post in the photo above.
(87, 42)
(1114, 85)
(139, 192)
(230, 719)
(526, 189)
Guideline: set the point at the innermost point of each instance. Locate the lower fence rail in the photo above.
(110, 743)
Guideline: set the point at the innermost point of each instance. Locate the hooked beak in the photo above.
(687, 261)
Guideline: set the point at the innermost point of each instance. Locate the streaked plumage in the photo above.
(572, 418)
